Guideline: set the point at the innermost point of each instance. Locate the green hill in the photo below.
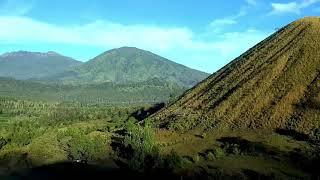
(128, 65)
(26, 65)
(273, 85)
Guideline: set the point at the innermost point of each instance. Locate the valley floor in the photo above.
(39, 139)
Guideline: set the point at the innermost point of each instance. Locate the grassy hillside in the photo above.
(26, 65)
(273, 85)
(257, 117)
(127, 65)
(152, 91)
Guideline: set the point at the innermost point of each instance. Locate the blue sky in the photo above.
(203, 34)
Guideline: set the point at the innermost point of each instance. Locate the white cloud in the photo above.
(238, 41)
(307, 3)
(98, 33)
(219, 24)
(179, 43)
(15, 7)
(216, 53)
(291, 7)
(223, 21)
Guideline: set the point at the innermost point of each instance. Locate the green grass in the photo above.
(267, 155)
(268, 167)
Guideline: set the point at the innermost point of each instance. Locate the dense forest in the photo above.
(150, 91)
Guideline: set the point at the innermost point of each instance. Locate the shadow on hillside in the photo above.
(312, 104)
(293, 134)
(70, 170)
(143, 113)
(307, 161)
(242, 146)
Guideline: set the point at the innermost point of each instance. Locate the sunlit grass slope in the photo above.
(273, 85)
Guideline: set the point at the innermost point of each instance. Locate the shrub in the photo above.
(232, 149)
(218, 152)
(182, 124)
(14, 158)
(142, 152)
(211, 156)
(316, 134)
(80, 146)
(22, 132)
(196, 158)
(140, 143)
(173, 161)
(3, 142)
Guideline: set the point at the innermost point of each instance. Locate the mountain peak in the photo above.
(52, 53)
(26, 65)
(126, 49)
(126, 53)
(311, 23)
(15, 53)
(129, 48)
(312, 19)
(23, 53)
(130, 64)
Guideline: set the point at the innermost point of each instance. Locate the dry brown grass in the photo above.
(272, 85)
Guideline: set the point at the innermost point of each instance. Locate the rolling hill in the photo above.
(27, 65)
(274, 85)
(130, 65)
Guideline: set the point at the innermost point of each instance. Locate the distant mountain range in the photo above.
(124, 75)
(26, 65)
(123, 65)
(128, 65)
